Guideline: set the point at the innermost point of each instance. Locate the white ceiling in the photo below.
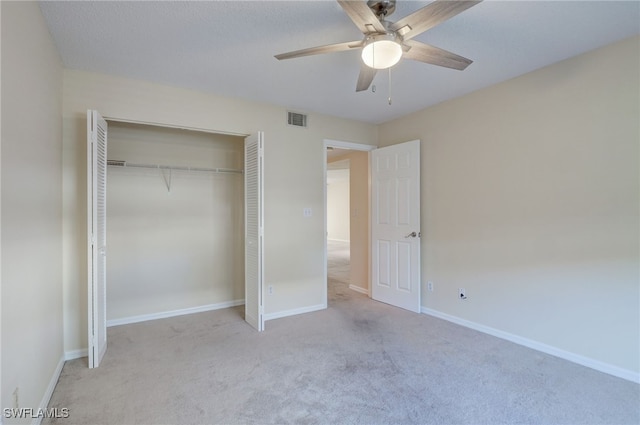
(227, 48)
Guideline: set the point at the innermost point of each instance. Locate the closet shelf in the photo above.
(119, 163)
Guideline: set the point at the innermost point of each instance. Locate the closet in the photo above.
(175, 219)
(174, 224)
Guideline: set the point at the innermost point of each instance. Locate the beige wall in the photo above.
(32, 330)
(294, 180)
(530, 196)
(180, 247)
(359, 211)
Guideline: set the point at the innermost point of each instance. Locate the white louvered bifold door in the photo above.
(97, 235)
(253, 210)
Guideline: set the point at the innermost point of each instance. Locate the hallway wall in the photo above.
(338, 211)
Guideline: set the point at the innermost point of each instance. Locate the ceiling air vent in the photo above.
(296, 119)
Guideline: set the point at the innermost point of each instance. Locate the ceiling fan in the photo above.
(385, 42)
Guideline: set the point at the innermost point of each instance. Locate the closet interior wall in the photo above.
(174, 237)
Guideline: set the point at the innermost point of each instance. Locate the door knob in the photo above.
(411, 235)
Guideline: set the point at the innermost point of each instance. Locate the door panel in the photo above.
(254, 233)
(395, 228)
(97, 236)
(404, 201)
(404, 266)
(384, 266)
(383, 205)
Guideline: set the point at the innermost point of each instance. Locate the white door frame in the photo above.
(340, 145)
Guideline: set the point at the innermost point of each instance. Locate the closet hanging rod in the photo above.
(120, 163)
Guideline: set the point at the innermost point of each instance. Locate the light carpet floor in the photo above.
(357, 362)
(338, 262)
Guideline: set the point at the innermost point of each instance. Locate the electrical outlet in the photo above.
(462, 293)
(430, 286)
(270, 289)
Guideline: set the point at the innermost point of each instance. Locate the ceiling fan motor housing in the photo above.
(382, 8)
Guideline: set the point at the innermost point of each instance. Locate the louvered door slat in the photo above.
(253, 173)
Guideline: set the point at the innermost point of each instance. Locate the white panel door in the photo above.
(395, 225)
(97, 235)
(254, 231)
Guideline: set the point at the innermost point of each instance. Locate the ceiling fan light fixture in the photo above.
(381, 51)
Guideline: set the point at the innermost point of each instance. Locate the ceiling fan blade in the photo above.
(362, 16)
(329, 48)
(435, 56)
(365, 78)
(429, 16)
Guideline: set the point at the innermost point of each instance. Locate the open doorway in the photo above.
(347, 201)
(338, 222)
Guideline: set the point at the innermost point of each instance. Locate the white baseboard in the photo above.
(629, 375)
(75, 354)
(49, 392)
(172, 313)
(359, 289)
(338, 240)
(295, 311)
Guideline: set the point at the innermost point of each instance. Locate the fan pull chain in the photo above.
(389, 85)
